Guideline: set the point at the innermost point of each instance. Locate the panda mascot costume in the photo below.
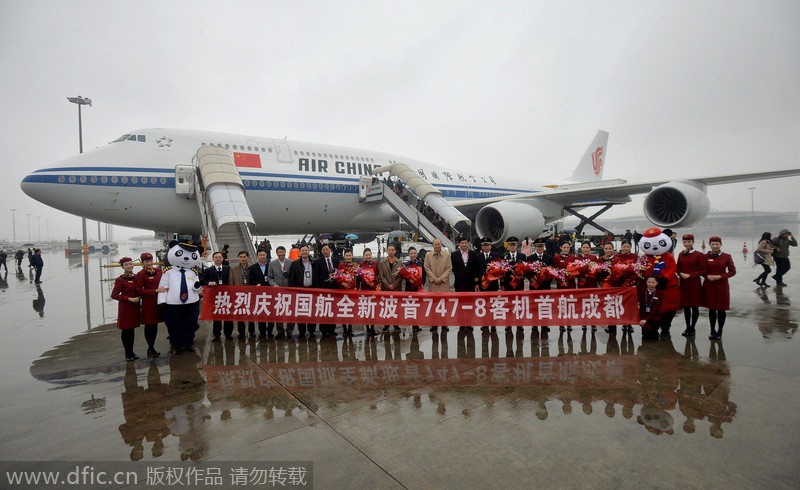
(180, 304)
(661, 263)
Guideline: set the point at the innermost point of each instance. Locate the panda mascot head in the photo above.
(184, 255)
(655, 242)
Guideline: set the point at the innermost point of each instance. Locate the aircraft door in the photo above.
(282, 151)
(184, 180)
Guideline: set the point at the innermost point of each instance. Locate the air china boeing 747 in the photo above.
(294, 187)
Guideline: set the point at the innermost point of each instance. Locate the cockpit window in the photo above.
(141, 138)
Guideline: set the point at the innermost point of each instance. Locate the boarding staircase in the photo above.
(219, 190)
(422, 191)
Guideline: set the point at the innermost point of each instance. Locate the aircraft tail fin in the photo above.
(590, 167)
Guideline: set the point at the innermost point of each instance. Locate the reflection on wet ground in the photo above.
(467, 409)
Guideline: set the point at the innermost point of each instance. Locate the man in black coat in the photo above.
(465, 268)
(485, 257)
(541, 255)
(323, 269)
(513, 257)
(257, 276)
(213, 276)
(301, 276)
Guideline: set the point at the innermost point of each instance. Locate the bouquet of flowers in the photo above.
(629, 271)
(523, 268)
(413, 273)
(549, 272)
(600, 270)
(494, 271)
(368, 276)
(345, 277)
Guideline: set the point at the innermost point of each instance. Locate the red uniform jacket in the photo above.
(672, 294)
(716, 294)
(694, 264)
(128, 312)
(587, 282)
(146, 283)
(650, 305)
(372, 265)
(561, 262)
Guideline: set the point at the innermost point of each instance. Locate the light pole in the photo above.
(39, 229)
(47, 227)
(14, 223)
(752, 204)
(80, 101)
(29, 226)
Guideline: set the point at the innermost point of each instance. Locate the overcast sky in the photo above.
(685, 88)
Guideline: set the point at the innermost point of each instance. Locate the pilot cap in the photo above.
(188, 245)
(688, 236)
(540, 241)
(486, 241)
(512, 240)
(652, 232)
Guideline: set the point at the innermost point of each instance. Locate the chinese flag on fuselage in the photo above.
(247, 160)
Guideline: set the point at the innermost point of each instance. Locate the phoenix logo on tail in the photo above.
(597, 160)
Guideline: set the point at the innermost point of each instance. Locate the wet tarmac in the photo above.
(455, 410)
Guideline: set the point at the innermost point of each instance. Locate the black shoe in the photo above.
(396, 328)
(781, 284)
(562, 329)
(415, 328)
(215, 339)
(279, 336)
(176, 351)
(445, 329)
(130, 358)
(687, 333)
(545, 329)
(229, 337)
(713, 336)
(152, 353)
(386, 328)
(433, 329)
(594, 328)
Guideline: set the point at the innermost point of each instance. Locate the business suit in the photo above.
(321, 275)
(220, 277)
(238, 276)
(257, 277)
(465, 274)
(278, 276)
(297, 279)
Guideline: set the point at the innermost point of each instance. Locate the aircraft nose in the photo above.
(33, 185)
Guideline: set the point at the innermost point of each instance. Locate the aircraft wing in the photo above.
(611, 191)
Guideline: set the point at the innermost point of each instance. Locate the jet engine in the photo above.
(677, 204)
(503, 219)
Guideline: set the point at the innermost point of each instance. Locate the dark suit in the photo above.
(296, 278)
(320, 276)
(517, 258)
(466, 275)
(257, 278)
(545, 259)
(483, 262)
(212, 275)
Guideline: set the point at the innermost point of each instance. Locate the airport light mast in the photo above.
(82, 101)
(14, 223)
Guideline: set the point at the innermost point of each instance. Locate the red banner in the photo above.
(574, 307)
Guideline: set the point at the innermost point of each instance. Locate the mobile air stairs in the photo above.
(219, 190)
(408, 208)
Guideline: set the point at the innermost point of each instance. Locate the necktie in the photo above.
(330, 267)
(219, 273)
(184, 288)
(487, 257)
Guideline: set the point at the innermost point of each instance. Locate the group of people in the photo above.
(35, 262)
(774, 252)
(701, 280)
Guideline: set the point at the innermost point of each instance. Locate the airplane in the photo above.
(295, 187)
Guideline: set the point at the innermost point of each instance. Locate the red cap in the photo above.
(688, 236)
(125, 259)
(652, 232)
(715, 239)
(146, 256)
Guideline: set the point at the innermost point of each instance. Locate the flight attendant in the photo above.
(691, 267)
(372, 265)
(716, 292)
(626, 256)
(146, 282)
(128, 310)
(561, 261)
(586, 254)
